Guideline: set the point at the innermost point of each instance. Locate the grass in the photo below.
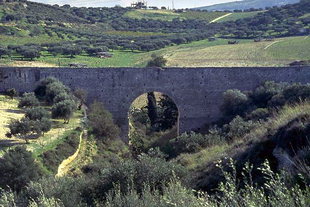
(196, 160)
(207, 16)
(119, 59)
(168, 15)
(248, 53)
(164, 15)
(51, 159)
(8, 111)
(49, 140)
(203, 53)
(135, 34)
(238, 15)
(14, 40)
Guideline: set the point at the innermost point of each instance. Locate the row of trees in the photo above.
(37, 119)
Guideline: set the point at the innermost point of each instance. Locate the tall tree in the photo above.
(152, 108)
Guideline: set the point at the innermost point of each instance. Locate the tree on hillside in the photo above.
(37, 113)
(30, 53)
(235, 103)
(11, 93)
(152, 109)
(71, 51)
(157, 61)
(81, 95)
(40, 90)
(101, 122)
(169, 113)
(4, 51)
(64, 110)
(17, 169)
(28, 100)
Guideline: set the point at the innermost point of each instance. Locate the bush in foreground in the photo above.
(17, 169)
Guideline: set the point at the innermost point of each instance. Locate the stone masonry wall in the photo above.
(197, 92)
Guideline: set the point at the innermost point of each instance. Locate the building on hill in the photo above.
(139, 5)
(104, 55)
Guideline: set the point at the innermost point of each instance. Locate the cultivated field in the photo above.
(203, 53)
(168, 15)
(280, 52)
(238, 15)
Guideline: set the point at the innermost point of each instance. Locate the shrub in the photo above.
(64, 110)
(40, 90)
(101, 122)
(28, 100)
(193, 142)
(37, 113)
(135, 174)
(238, 127)
(157, 61)
(17, 169)
(259, 114)
(65, 190)
(235, 103)
(264, 93)
(11, 93)
(296, 92)
(62, 97)
(55, 89)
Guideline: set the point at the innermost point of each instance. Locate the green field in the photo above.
(168, 15)
(165, 15)
(279, 52)
(14, 40)
(238, 15)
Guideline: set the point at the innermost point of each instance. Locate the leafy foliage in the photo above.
(17, 169)
(101, 122)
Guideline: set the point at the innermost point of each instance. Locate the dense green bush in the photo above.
(193, 142)
(238, 127)
(28, 100)
(37, 113)
(149, 169)
(274, 192)
(17, 169)
(65, 190)
(64, 110)
(11, 93)
(235, 102)
(101, 122)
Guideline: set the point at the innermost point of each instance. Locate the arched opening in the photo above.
(153, 121)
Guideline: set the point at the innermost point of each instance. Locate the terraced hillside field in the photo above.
(238, 15)
(168, 15)
(279, 52)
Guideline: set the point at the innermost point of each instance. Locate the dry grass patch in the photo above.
(8, 111)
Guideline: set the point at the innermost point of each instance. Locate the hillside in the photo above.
(279, 52)
(34, 34)
(247, 4)
(168, 15)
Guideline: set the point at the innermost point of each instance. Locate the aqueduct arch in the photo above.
(196, 91)
(163, 94)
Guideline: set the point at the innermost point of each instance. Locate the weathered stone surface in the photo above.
(196, 91)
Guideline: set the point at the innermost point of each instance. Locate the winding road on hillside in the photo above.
(221, 17)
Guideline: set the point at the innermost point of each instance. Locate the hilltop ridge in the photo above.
(247, 4)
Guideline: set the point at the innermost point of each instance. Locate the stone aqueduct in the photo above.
(197, 92)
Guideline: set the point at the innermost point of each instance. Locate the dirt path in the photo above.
(64, 166)
(272, 44)
(221, 17)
